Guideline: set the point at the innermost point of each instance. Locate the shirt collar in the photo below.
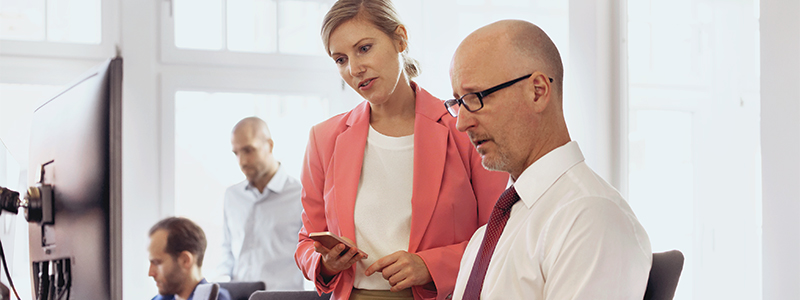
(276, 184)
(543, 173)
(191, 297)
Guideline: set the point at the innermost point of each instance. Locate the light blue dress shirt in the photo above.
(260, 234)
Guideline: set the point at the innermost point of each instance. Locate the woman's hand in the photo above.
(402, 269)
(336, 260)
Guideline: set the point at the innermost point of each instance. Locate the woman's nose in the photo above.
(356, 67)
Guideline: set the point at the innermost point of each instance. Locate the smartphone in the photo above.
(330, 240)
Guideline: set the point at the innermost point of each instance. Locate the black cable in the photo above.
(5, 266)
(61, 283)
(44, 281)
(68, 272)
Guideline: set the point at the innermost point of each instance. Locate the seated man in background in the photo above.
(176, 251)
(560, 231)
(261, 213)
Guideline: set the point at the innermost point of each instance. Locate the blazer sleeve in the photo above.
(314, 219)
(443, 262)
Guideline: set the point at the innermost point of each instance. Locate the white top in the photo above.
(383, 204)
(260, 233)
(572, 236)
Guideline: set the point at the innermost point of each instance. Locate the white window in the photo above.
(693, 139)
(246, 33)
(63, 28)
(261, 26)
(74, 21)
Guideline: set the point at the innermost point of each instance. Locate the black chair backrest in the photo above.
(664, 275)
(288, 295)
(241, 290)
(206, 291)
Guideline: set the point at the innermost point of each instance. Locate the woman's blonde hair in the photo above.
(380, 13)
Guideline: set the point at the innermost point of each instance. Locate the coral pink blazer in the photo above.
(453, 194)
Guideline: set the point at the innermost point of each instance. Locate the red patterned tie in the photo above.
(497, 221)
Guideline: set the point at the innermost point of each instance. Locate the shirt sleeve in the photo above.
(225, 268)
(596, 251)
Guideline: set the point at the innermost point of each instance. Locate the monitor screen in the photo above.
(75, 150)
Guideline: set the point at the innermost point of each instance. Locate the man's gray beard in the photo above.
(501, 163)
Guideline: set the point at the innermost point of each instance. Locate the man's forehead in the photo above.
(158, 241)
(480, 53)
(473, 69)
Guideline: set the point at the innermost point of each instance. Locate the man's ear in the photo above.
(186, 260)
(540, 91)
(271, 144)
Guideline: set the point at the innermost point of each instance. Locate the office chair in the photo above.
(664, 275)
(206, 291)
(241, 290)
(288, 295)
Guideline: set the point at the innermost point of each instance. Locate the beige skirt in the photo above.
(359, 294)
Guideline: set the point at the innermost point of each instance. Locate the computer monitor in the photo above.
(75, 148)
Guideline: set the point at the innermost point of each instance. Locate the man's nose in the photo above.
(465, 119)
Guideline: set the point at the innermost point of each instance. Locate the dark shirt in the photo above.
(223, 294)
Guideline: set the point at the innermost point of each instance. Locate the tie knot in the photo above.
(507, 199)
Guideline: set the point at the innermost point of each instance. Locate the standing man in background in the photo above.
(261, 214)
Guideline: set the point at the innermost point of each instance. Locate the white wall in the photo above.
(140, 142)
(591, 84)
(780, 147)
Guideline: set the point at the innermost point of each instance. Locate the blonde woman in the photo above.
(393, 175)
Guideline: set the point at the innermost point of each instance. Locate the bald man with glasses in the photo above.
(560, 231)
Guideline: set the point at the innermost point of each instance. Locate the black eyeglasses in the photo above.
(474, 101)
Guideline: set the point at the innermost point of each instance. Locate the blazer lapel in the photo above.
(348, 156)
(430, 151)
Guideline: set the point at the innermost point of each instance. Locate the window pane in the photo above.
(198, 24)
(662, 183)
(694, 156)
(74, 21)
(300, 23)
(262, 26)
(252, 26)
(22, 20)
(204, 163)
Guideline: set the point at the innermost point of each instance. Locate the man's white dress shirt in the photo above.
(571, 236)
(260, 234)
